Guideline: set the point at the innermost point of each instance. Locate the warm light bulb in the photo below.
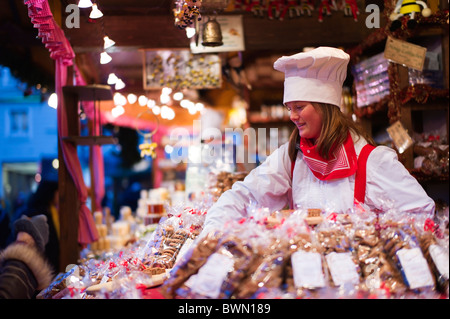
(151, 103)
(53, 100)
(178, 96)
(199, 106)
(119, 99)
(142, 100)
(84, 4)
(156, 110)
(184, 103)
(117, 111)
(112, 79)
(171, 114)
(95, 13)
(132, 98)
(190, 32)
(166, 91)
(105, 58)
(192, 109)
(119, 84)
(107, 42)
(164, 98)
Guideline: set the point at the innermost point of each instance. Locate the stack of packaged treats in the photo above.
(124, 273)
(370, 255)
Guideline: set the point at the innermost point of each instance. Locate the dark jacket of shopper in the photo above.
(24, 269)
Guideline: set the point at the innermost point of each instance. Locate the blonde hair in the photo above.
(335, 127)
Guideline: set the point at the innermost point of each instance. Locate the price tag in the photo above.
(415, 268)
(440, 259)
(307, 269)
(210, 277)
(399, 136)
(405, 53)
(342, 268)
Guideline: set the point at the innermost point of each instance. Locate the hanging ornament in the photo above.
(148, 147)
(291, 7)
(256, 7)
(186, 12)
(273, 9)
(325, 7)
(306, 7)
(350, 8)
(408, 8)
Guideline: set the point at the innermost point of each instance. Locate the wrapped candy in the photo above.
(434, 243)
(340, 258)
(401, 246)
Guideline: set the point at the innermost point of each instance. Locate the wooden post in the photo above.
(92, 132)
(69, 204)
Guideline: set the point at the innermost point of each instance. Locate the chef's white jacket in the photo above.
(270, 186)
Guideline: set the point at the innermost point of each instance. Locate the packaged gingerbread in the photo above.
(265, 270)
(225, 268)
(379, 276)
(401, 246)
(340, 258)
(189, 265)
(434, 243)
(305, 272)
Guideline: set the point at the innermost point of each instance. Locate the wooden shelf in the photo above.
(93, 92)
(91, 140)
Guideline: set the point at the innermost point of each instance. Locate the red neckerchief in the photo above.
(342, 163)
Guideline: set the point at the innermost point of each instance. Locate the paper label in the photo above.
(307, 269)
(415, 268)
(405, 53)
(440, 259)
(342, 268)
(210, 277)
(399, 136)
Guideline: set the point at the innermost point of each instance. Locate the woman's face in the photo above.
(307, 119)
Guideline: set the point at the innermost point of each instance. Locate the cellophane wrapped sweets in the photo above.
(400, 242)
(433, 239)
(335, 239)
(305, 273)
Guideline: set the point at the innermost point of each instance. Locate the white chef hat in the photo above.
(314, 76)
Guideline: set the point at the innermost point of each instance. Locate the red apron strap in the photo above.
(291, 204)
(360, 177)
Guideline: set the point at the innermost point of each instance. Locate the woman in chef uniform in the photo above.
(328, 162)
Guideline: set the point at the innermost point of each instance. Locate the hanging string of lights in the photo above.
(159, 108)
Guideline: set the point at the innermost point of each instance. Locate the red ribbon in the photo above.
(73, 289)
(332, 217)
(112, 265)
(429, 225)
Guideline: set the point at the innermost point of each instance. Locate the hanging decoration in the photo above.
(306, 7)
(212, 33)
(148, 148)
(187, 12)
(408, 8)
(281, 9)
(178, 69)
(325, 7)
(350, 8)
(48, 30)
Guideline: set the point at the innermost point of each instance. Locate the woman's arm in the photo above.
(388, 179)
(266, 186)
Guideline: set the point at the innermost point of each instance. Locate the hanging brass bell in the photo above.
(212, 35)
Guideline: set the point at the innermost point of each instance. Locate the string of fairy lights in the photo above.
(160, 108)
